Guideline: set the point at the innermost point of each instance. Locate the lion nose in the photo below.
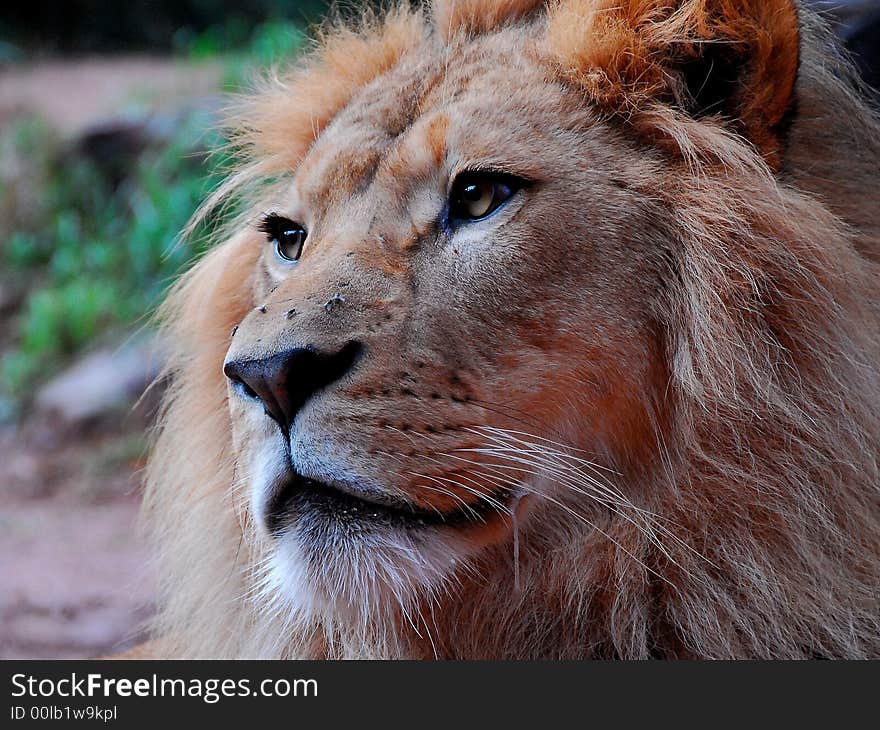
(286, 380)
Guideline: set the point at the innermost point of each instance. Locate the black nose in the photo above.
(285, 381)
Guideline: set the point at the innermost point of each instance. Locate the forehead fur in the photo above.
(285, 117)
(627, 58)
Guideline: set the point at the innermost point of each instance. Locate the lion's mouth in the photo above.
(300, 496)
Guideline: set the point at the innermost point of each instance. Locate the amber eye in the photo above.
(286, 236)
(476, 195)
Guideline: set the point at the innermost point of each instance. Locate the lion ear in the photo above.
(734, 58)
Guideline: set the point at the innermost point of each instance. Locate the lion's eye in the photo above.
(285, 235)
(477, 195)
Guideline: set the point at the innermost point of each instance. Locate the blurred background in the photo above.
(106, 118)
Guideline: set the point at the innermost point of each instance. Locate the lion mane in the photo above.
(761, 468)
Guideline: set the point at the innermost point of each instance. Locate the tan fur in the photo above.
(669, 344)
(472, 17)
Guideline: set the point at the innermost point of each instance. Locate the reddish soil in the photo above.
(73, 578)
(72, 95)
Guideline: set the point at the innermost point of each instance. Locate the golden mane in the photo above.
(766, 467)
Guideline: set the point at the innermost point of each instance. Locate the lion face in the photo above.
(463, 254)
(553, 335)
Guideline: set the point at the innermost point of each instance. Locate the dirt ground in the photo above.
(72, 95)
(75, 582)
(74, 575)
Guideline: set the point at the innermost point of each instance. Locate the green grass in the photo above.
(97, 255)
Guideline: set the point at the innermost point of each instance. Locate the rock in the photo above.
(116, 143)
(12, 294)
(102, 383)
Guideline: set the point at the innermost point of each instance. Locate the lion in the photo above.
(545, 330)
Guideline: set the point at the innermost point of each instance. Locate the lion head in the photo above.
(549, 330)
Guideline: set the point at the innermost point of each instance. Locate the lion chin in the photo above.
(549, 330)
